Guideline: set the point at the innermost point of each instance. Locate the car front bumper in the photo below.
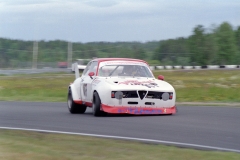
(138, 110)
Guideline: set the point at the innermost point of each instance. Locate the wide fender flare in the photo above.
(102, 90)
(75, 95)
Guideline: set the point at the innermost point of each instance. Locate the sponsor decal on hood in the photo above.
(148, 83)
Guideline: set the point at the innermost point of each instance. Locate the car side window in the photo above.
(93, 67)
(87, 68)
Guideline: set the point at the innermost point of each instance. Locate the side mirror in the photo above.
(161, 77)
(91, 74)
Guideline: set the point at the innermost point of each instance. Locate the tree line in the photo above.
(216, 45)
(219, 45)
(13, 52)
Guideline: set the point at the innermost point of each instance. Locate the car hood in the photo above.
(139, 84)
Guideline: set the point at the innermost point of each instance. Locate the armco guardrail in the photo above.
(195, 67)
(32, 71)
(51, 70)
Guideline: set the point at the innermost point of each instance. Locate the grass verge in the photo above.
(23, 145)
(205, 85)
(191, 86)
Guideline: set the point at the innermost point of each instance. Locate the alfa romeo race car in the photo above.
(120, 86)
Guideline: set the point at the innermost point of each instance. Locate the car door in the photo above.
(86, 84)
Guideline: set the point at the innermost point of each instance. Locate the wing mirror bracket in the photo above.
(91, 74)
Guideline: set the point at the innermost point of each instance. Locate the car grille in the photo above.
(130, 94)
(143, 94)
(154, 95)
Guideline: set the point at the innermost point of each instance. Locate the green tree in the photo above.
(197, 46)
(211, 49)
(172, 51)
(227, 49)
(238, 44)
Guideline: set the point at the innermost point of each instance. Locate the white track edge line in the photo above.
(125, 138)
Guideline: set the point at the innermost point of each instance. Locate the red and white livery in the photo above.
(120, 86)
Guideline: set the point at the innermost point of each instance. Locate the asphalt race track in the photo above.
(217, 127)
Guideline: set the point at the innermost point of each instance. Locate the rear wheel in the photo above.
(96, 105)
(73, 107)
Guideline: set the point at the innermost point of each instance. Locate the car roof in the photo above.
(118, 59)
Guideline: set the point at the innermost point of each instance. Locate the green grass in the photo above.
(47, 87)
(23, 145)
(205, 85)
(191, 86)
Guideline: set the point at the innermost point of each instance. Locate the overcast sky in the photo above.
(112, 20)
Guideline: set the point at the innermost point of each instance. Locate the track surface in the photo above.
(208, 126)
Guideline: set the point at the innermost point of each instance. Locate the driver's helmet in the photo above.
(129, 69)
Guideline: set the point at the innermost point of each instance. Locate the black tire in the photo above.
(96, 106)
(73, 107)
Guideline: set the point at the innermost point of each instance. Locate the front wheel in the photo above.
(73, 107)
(96, 105)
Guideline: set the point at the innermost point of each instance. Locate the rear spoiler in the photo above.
(76, 70)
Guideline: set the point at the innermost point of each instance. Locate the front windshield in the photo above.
(124, 70)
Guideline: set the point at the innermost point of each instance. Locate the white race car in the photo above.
(120, 86)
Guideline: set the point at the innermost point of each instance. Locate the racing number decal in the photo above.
(85, 90)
